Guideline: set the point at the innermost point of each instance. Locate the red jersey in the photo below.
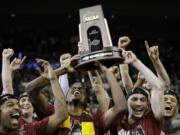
(95, 122)
(22, 121)
(78, 124)
(34, 128)
(148, 125)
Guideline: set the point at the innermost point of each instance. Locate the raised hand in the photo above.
(114, 69)
(16, 64)
(123, 42)
(7, 53)
(153, 51)
(82, 48)
(140, 80)
(66, 62)
(48, 72)
(64, 58)
(95, 80)
(140, 76)
(129, 57)
(6, 73)
(101, 66)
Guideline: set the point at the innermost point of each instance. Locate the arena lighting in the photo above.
(13, 15)
(20, 55)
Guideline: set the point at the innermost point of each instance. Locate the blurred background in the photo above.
(49, 28)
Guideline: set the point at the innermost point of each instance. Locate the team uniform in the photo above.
(147, 125)
(85, 124)
(34, 128)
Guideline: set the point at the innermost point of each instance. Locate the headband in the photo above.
(5, 97)
(138, 91)
(171, 92)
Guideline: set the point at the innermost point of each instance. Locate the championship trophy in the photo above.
(96, 41)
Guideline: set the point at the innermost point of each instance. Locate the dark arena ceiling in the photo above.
(138, 19)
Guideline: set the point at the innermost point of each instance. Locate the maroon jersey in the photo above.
(34, 128)
(22, 121)
(76, 125)
(148, 125)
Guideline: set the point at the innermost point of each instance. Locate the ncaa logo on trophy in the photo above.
(95, 42)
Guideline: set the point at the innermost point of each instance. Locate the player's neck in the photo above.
(75, 110)
(28, 119)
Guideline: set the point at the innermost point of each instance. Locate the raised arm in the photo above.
(101, 95)
(120, 105)
(140, 81)
(34, 87)
(6, 72)
(60, 113)
(15, 65)
(153, 53)
(156, 84)
(40, 82)
(124, 69)
(64, 82)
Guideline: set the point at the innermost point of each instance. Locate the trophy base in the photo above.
(108, 56)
